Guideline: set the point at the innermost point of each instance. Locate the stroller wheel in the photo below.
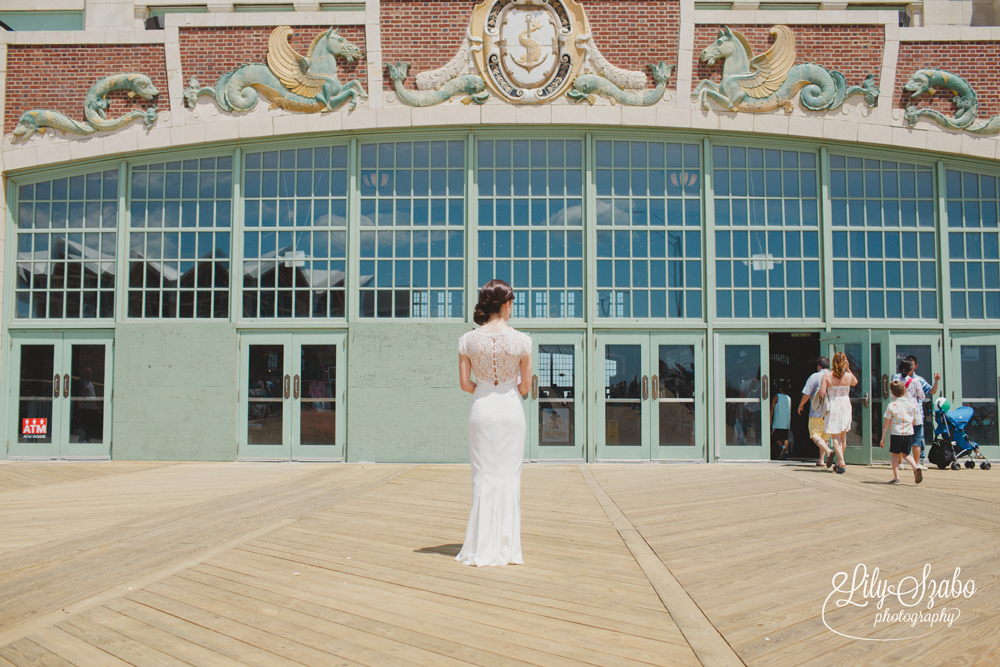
(955, 466)
(985, 465)
(970, 464)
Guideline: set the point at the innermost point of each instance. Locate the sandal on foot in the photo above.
(918, 475)
(894, 481)
(841, 470)
(830, 459)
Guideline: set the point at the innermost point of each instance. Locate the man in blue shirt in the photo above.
(816, 422)
(927, 390)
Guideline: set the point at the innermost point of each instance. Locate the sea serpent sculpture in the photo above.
(772, 79)
(289, 80)
(94, 109)
(471, 85)
(588, 86)
(966, 102)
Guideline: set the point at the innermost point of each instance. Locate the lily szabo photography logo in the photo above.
(922, 604)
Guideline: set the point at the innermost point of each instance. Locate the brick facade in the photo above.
(630, 33)
(424, 33)
(854, 50)
(973, 61)
(58, 78)
(208, 53)
(634, 33)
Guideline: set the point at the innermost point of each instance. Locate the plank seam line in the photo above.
(708, 644)
(42, 621)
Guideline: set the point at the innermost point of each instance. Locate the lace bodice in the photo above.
(496, 357)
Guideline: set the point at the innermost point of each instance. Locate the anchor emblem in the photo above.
(533, 56)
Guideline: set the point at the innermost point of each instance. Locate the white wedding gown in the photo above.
(496, 447)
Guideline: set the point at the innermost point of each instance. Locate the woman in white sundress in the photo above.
(495, 354)
(836, 387)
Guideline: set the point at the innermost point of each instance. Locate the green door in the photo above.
(60, 392)
(927, 348)
(677, 427)
(651, 405)
(623, 399)
(742, 397)
(291, 396)
(556, 413)
(857, 345)
(975, 358)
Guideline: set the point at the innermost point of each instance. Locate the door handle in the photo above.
(763, 388)
(296, 386)
(66, 385)
(55, 386)
(288, 383)
(645, 387)
(534, 386)
(885, 386)
(865, 399)
(656, 387)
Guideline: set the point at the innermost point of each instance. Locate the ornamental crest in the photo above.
(529, 51)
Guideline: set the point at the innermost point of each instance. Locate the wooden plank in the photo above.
(75, 650)
(27, 652)
(122, 647)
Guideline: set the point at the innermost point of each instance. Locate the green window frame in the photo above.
(884, 245)
(180, 223)
(412, 238)
(649, 230)
(530, 223)
(767, 233)
(66, 247)
(294, 233)
(973, 245)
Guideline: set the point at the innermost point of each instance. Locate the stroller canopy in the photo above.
(960, 416)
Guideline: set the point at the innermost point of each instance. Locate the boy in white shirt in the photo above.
(899, 419)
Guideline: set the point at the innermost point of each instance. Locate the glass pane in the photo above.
(556, 423)
(676, 371)
(318, 407)
(35, 405)
(623, 417)
(743, 424)
(86, 416)
(264, 390)
(979, 391)
(556, 369)
(743, 372)
(677, 424)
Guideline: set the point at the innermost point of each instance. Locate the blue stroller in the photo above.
(950, 441)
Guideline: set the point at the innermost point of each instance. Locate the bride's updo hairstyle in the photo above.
(494, 294)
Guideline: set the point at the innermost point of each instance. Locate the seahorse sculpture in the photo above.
(588, 86)
(94, 109)
(966, 102)
(772, 79)
(289, 80)
(471, 85)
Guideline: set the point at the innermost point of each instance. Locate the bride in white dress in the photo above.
(495, 353)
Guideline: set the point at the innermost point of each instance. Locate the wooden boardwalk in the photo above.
(128, 563)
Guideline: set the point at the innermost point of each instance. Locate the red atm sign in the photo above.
(35, 426)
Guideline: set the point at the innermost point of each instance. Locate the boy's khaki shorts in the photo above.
(816, 426)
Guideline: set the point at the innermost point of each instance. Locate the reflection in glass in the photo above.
(979, 391)
(743, 419)
(556, 393)
(264, 392)
(855, 434)
(86, 416)
(318, 405)
(876, 389)
(676, 399)
(37, 372)
(623, 409)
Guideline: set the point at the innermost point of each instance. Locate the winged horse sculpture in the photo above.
(772, 79)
